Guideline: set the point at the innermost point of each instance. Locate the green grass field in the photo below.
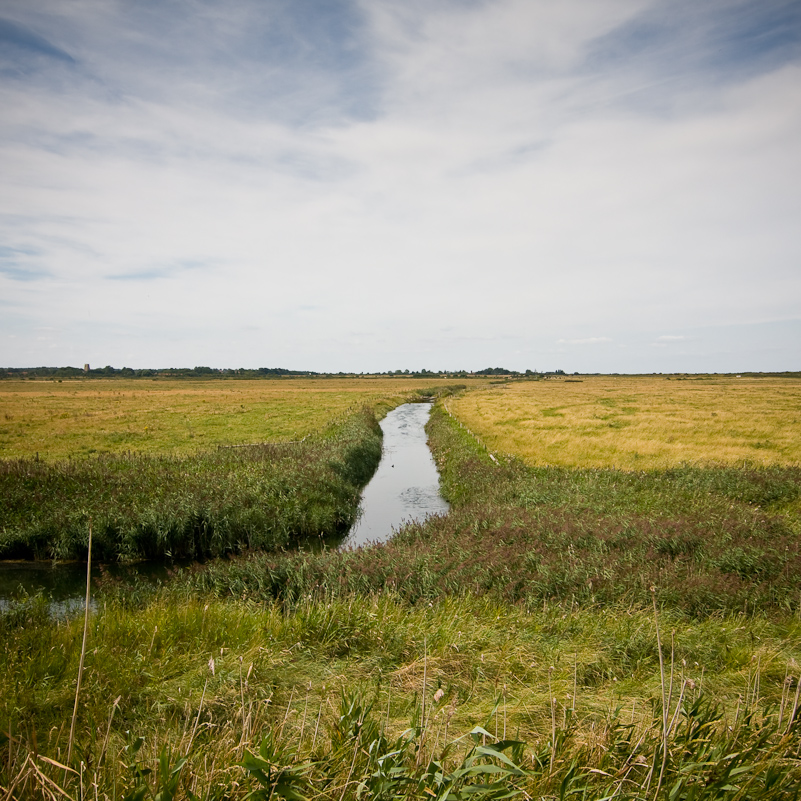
(626, 634)
(163, 416)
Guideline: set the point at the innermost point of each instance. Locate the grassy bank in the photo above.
(230, 499)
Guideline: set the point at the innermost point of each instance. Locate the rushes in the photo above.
(256, 497)
(235, 734)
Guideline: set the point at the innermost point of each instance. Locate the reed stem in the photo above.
(83, 645)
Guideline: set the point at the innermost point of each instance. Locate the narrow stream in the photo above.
(406, 485)
(404, 488)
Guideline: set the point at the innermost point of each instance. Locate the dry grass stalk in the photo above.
(197, 719)
(83, 645)
(108, 729)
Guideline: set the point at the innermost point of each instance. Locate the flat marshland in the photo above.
(613, 632)
(167, 416)
(640, 423)
(186, 468)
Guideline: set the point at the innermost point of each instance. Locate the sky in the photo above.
(371, 185)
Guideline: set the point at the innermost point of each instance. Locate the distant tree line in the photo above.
(129, 372)
(55, 373)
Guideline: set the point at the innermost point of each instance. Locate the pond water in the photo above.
(406, 485)
(64, 583)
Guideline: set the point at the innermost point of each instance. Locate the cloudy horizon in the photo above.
(335, 185)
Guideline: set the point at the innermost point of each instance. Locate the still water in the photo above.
(65, 583)
(406, 485)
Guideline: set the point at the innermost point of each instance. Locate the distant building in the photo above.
(86, 368)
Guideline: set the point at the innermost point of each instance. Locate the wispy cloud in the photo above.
(19, 264)
(506, 171)
(20, 44)
(585, 341)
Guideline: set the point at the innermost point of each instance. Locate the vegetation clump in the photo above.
(268, 496)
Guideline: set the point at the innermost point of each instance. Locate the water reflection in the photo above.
(64, 584)
(406, 485)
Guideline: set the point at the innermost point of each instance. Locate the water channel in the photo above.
(406, 485)
(64, 583)
(404, 488)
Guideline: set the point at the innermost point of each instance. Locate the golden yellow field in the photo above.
(639, 422)
(163, 415)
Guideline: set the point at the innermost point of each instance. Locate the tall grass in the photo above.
(229, 499)
(368, 697)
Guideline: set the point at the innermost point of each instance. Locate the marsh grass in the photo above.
(231, 499)
(80, 418)
(563, 633)
(640, 423)
(367, 695)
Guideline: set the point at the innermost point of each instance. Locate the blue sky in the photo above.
(591, 185)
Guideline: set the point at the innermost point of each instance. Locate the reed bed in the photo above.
(267, 496)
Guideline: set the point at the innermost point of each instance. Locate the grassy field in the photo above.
(360, 696)
(80, 417)
(626, 634)
(639, 423)
(269, 496)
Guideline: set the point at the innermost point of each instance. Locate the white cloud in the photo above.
(587, 341)
(501, 170)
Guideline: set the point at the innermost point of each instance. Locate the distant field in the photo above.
(174, 416)
(639, 422)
